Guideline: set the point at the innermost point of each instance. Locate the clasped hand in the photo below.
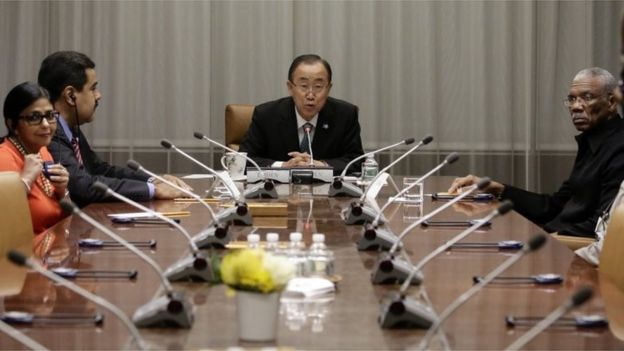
(301, 159)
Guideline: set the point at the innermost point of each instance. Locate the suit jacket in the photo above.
(120, 179)
(273, 133)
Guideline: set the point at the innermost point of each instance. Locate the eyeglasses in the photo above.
(36, 118)
(314, 88)
(585, 99)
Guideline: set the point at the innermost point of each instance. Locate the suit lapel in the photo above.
(323, 130)
(288, 126)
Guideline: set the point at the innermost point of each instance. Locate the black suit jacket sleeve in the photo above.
(119, 179)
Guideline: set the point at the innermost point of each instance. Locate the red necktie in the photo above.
(76, 148)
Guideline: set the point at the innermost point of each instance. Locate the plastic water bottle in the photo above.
(253, 241)
(272, 244)
(370, 168)
(296, 254)
(321, 259)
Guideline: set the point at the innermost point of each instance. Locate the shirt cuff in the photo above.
(152, 190)
(277, 164)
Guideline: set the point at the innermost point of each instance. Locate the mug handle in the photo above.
(223, 163)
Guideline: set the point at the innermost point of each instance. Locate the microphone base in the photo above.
(377, 238)
(341, 188)
(392, 270)
(265, 190)
(357, 213)
(166, 311)
(213, 237)
(195, 269)
(399, 312)
(238, 214)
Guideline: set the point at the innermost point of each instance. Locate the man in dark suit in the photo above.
(70, 78)
(281, 130)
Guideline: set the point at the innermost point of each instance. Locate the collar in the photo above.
(66, 128)
(301, 121)
(597, 135)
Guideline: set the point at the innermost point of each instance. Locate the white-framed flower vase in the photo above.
(258, 315)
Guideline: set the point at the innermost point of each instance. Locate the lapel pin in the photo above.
(325, 126)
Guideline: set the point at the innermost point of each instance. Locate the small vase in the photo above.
(257, 315)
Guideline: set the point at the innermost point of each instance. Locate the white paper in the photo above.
(309, 287)
(198, 176)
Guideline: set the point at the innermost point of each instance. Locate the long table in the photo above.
(349, 321)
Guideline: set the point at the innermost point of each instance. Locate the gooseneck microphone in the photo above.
(340, 188)
(535, 243)
(265, 191)
(21, 337)
(239, 213)
(216, 234)
(194, 268)
(407, 312)
(307, 131)
(580, 297)
(21, 260)
(372, 235)
(357, 212)
(171, 310)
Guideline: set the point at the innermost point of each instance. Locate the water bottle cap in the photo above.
(253, 238)
(318, 238)
(272, 237)
(296, 236)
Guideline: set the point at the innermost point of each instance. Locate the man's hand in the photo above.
(177, 181)
(163, 191)
(302, 159)
(495, 188)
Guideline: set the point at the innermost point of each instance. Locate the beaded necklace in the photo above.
(43, 182)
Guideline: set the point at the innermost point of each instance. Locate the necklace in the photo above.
(43, 182)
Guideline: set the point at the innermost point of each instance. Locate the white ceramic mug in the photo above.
(235, 163)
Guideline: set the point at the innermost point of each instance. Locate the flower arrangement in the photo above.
(255, 270)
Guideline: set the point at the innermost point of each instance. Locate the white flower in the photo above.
(280, 268)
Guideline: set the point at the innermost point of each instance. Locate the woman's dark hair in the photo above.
(18, 99)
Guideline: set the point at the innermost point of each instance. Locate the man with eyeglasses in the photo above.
(282, 130)
(70, 78)
(598, 168)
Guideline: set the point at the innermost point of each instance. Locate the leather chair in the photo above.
(15, 232)
(573, 242)
(612, 255)
(237, 121)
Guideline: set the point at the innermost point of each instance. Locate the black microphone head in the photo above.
(536, 242)
(198, 135)
(409, 141)
(17, 257)
(99, 187)
(133, 165)
(505, 207)
(427, 139)
(581, 295)
(67, 206)
(166, 144)
(452, 157)
(483, 183)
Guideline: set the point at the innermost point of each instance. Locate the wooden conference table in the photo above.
(349, 321)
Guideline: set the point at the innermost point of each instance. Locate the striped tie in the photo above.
(305, 142)
(76, 148)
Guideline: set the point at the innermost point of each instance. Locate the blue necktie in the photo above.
(305, 142)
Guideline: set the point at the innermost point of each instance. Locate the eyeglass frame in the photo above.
(313, 88)
(584, 99)
(36, 118)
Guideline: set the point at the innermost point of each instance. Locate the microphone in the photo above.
(392, 243)
(239, 213)
(216, 235)
(340, 188)
(307, 130)
(357, 213)
(194, 268)
(578, 298)
(535, 243)
(265, 191)
(21, 260)
(372, 236)
(171, 310)
(21, 337)
(396, 311)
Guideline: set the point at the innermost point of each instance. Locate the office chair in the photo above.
(237, 121)
(573, 242)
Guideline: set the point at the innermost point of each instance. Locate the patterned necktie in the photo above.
(76, 147)
(305, 142)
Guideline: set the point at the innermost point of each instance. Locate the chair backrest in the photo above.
(612, 255)
(237, 121)
(16, 231)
